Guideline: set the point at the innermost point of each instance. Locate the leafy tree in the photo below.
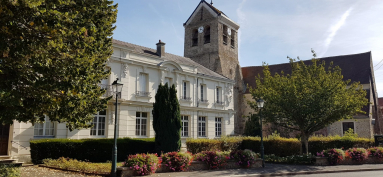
(253, 126)
(309, 99)
(52, 57)
(167, 119)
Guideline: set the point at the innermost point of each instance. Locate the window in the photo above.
(142, 89)
(168, 81)
(98, 123)
(202, 96)
(185, 91)
(348, 125)
(201, 126)
(185, 126)
(195, 37)
(218, 126)
(225, 34)
(207, 35)
(219, 95)
(44, 129)
(232, 38)
(141, 119)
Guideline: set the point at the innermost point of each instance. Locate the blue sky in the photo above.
(269, 30)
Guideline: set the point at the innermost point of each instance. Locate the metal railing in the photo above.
(26, 148)
(185, 98)
(143, 93)
(219, 102)
(109, 91)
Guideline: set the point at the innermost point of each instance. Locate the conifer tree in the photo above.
(167, 119)
(52, 58)
(253, 126)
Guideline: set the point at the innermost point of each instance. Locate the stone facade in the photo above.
(217, 55)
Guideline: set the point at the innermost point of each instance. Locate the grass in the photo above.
(9, 171)
(73, 164)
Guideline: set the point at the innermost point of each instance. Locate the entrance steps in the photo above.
(7, 160)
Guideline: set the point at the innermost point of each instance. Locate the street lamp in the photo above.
(117, 87)
(260, 103)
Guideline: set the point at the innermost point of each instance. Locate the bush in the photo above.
(214, 159)
(334, 155)
(294, 159)
(273, 145)
(357, 154)
(376, 152)
(143, 164)
(73, 164)
(223, 144)
(93, 150)
(318, 143)
(9, 171)
(244, 158)
(177, 161)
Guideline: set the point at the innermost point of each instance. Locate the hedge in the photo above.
(278, 146)
(93, 150)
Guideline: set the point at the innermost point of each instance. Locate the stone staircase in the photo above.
(7, 160)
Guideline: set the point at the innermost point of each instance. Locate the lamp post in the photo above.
(260, 103)
(117, 87)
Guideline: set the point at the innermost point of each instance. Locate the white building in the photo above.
(205, 97)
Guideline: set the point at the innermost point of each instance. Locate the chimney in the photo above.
(160, 49)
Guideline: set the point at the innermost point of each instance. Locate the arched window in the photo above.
(232, 38)
(207, 34)
(224, 34)
(195, 37)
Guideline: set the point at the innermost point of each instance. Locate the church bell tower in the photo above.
(211, 39)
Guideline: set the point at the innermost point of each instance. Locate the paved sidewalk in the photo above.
(276, 170)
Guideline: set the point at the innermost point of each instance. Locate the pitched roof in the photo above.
(218, 12)
(356, 67)
(171, 57)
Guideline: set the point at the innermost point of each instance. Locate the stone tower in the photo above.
(211, 39)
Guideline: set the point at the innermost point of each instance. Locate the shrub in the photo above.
(214, 159)
(273, 145)
(93, 150)
(244, 158)
(294, 159)
(334, 155)
(318, 143)
(177, 161)
(73, 164)
(223, 144)
(9, 171)
(357, 154)
(143, 164)
(376, 152)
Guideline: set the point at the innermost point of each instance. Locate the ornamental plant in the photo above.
(357, 154)
(177, 161)
(376, 152)
(244, 158)
(143, 164)
(214, 159)
(334, 155)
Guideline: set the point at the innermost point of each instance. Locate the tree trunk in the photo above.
(304, 143)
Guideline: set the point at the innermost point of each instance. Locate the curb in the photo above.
(316, 172)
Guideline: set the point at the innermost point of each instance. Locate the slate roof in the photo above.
(211, 6)
(171, 57)
(356, 67)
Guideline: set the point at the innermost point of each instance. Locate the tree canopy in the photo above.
(309, 98)
(167, 119)
(52, 58)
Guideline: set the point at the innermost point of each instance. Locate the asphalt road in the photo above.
(347, 174)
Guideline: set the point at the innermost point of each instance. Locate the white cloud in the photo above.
(334, 29)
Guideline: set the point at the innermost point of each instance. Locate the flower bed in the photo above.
(353, 156)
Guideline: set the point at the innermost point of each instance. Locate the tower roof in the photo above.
(213, 10)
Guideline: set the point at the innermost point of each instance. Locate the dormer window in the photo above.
(224, 34)
(207, 35)
(195, 38)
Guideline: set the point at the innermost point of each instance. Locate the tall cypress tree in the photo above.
(167, 119)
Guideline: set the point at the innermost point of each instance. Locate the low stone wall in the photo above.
(194, 166)
(322, 161)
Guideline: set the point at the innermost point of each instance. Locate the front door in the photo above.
(4, 136)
